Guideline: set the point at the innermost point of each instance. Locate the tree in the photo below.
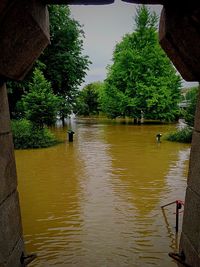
(65, 65)
(17, 89)
(40, 104)
(88, 99)
(141, 78)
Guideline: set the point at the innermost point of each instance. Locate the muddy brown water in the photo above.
(96, 202)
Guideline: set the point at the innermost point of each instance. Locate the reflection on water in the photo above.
(96, 202)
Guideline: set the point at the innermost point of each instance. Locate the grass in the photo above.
(183, 135)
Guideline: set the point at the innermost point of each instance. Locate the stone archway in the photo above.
(24, 33)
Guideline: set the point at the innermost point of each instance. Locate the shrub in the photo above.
(183, 135)
(40, 104)
(26, 135)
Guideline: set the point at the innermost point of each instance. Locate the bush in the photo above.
(26, 135)
(183, 135)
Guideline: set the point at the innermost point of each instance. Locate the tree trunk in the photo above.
(63, 120)
(135, 121)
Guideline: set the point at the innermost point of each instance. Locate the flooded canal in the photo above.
(96, 202)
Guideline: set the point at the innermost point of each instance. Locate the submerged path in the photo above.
(96, 202)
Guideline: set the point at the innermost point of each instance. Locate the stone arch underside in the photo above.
(24, 34)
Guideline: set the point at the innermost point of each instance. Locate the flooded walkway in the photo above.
(96, 202)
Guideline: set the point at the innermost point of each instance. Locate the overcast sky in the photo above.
(104, 26)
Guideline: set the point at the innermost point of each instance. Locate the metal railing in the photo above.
(179, 204)
(178, 257)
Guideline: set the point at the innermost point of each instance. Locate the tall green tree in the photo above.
(16, 90)
(66, 66)
(88, 100)
(40, 104)
(141, 79)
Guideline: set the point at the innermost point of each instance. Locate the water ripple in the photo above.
(96, 202)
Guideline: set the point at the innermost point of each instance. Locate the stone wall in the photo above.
(179, 35)
(190, 237)
(24, 33)
(11, 243)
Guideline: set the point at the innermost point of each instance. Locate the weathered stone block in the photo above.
(191, 256)
(194, 166)
(191, 225)
(11, 229)
(14, 259)
(8, 177)
(4, 110)
(4, 4)
(197, 115)
(24, 33)
(178, 32)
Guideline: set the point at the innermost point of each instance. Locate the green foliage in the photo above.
(142, 78)
(40, 104)
(65, 107)
(88, 102)
(26, 135)
(183, 135)
(113, 102)
(17, 89)
(145, 20)
(66, 66)
(189, 112)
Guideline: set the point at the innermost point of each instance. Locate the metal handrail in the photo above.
(179, 204)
